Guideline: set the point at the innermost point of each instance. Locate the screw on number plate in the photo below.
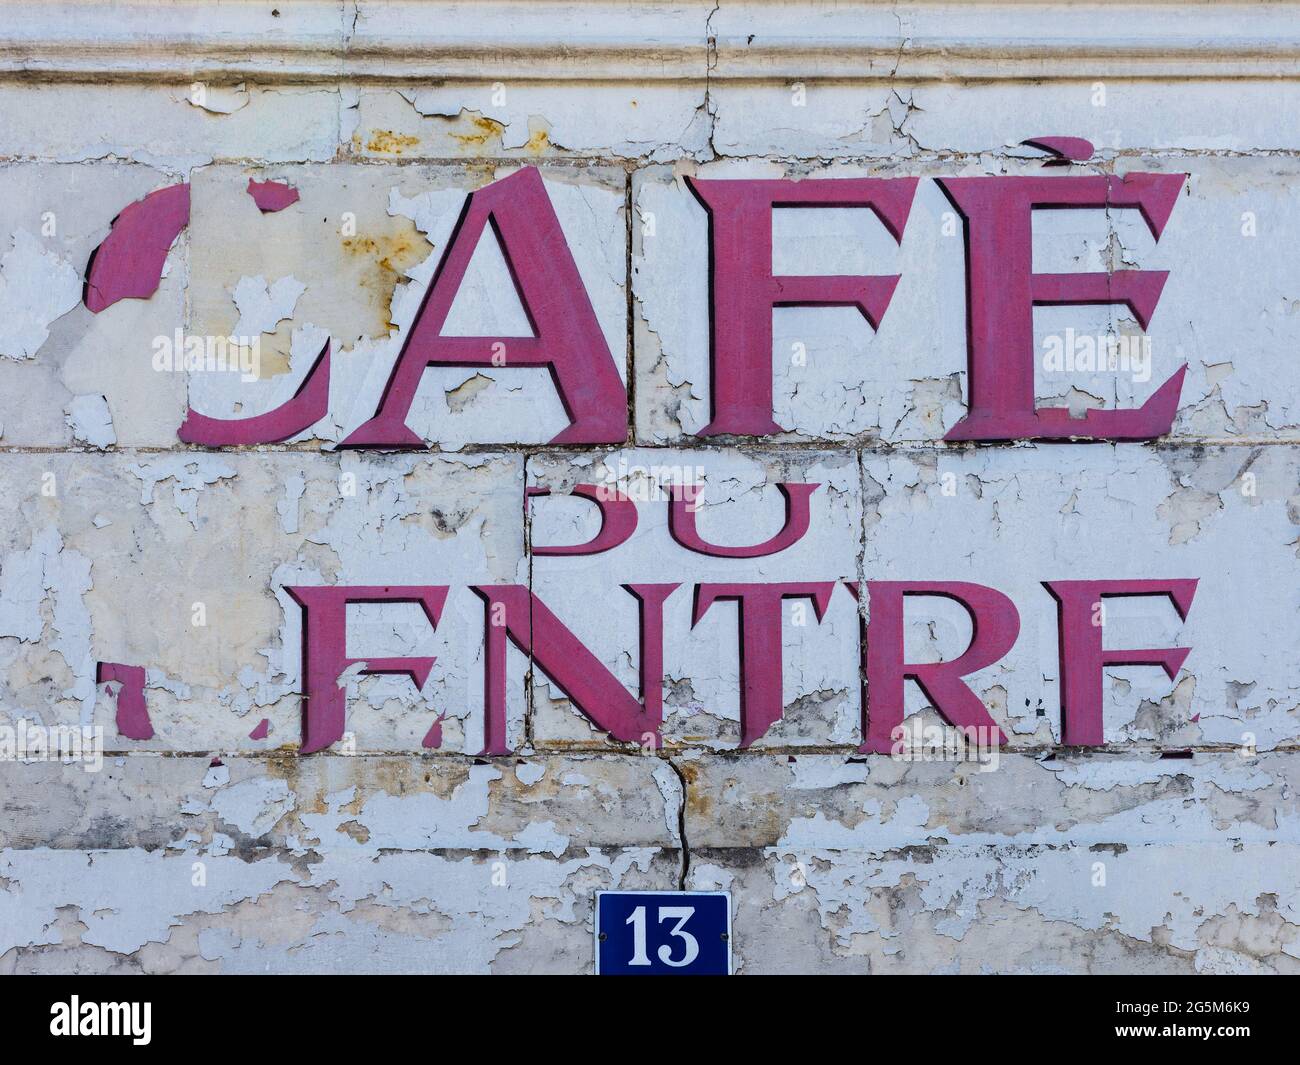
(603, 937)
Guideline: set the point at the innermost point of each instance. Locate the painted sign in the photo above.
(565, 339)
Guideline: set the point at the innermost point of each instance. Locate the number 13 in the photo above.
(691, 948)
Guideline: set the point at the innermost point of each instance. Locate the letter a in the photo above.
(566, 336)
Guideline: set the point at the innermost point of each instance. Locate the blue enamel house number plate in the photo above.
(663, 933)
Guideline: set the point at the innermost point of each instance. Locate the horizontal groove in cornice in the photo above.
(182, 60)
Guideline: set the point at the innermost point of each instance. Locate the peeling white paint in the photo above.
(36, 288)
(91, 421)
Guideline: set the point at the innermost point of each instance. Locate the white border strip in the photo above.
(651, 40)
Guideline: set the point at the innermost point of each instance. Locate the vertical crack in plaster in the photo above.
(682, 838)
(487, 619)
(710, 64)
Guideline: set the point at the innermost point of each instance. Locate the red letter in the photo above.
(617, 519)
(744, 290)
(995, 625)
(760, 643)
(567, 338)
(1002, 291)
(308, 406)
(132, 712)
(512, 611)
(1082, 655)
(324, 651)
(272, 196)
(129, 264)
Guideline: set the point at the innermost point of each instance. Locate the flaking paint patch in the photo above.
(262, 307)
(37, 287)
(91, 421)
(189, 475)
(48, 573)
(253, 806)
(670, 787)
(220, 99)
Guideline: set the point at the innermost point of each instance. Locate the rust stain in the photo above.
(286, 764)
(385, 140)
(699, 804)
(484, 130)
(538, 141)
(385, 259)
(392, 253)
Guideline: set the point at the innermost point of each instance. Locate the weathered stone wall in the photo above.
(1171, 848)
